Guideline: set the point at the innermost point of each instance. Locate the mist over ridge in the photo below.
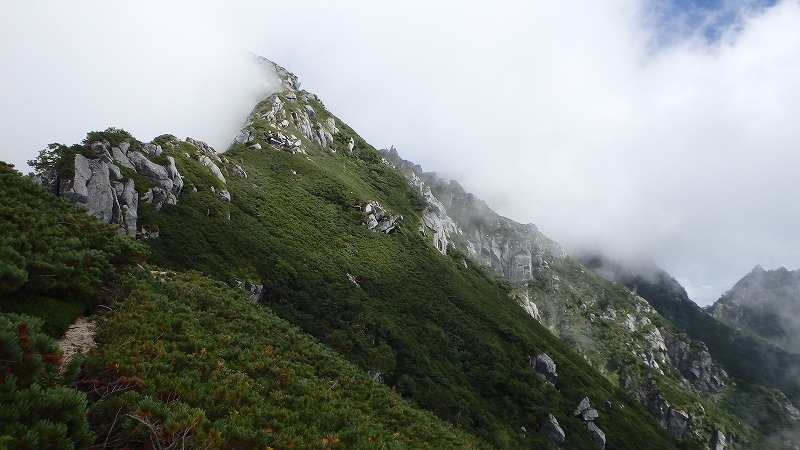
(617, 126)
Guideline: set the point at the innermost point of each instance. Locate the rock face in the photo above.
(100, 183)
(552, 432)
(513, 249)
(97, 185)
(696, 366)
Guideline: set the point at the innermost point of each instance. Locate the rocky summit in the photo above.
(303, 289)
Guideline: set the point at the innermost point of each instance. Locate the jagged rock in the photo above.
(719, 440)
(552, 433)
(597, 435)
(582, 406)
(544, 366)
(155, 174)
(91, 188)
(351, 143)
(372, 222)
(590, 414)
(528, 305)
(206, 161)
(152, 150)
(129, 203)
(677, 423)
(331, 124)
(697, 368)
(102, 150)
(224, 194)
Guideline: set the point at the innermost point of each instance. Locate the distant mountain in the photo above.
(765, 303)
(750, 359)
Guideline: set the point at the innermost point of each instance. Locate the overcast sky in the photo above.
(669, 130)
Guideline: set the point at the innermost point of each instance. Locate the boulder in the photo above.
(582, 406)
(552, 433)
(597, 435)
(155, 174)
(590, 414)
(544, 366)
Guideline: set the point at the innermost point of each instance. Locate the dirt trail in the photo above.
(79, 338)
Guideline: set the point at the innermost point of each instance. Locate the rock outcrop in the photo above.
(513, 249)
(696, 366)
(544, 366)
(378, 219)
(287, 117)
(588, 415)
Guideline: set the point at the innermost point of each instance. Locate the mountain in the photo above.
(304, 290)
(644, 348)
(754, 362)
(765, 303)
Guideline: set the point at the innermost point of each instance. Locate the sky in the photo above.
(639, 128)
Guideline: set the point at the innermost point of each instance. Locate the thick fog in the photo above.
(639, 128)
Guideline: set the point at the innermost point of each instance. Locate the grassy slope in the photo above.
(441, 330)
(189, 354)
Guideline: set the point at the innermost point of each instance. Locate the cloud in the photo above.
(610, 124)
(149, 67)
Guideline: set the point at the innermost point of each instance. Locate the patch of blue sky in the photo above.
(708, 20)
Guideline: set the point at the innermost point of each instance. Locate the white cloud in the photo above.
(572, 115)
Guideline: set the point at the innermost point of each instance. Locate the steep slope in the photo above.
(753, 362)
(181, 360)
(615, 330)
(329, 235)
(319, 228)
(765, 303)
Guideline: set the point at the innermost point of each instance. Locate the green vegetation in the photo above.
(53, 256)
(185, 361)
(38, 410)
(448, 337)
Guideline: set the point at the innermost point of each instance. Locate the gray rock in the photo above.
(351, 143)
(697, 367)
(256, 291)
(101, 200)
(102, 150)
(114, 172)
(544, 366)
(224, 194)
(590, 414)
(677, 423)
(582, 406)
(552, 433)
(719, 441)
(372, 222)
(152, 150)
(206, 161)
(129, 204)
(156, 174)
(597, 435)
(91, 187)
(121, 157)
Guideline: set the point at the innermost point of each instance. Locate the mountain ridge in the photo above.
(383, 265)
